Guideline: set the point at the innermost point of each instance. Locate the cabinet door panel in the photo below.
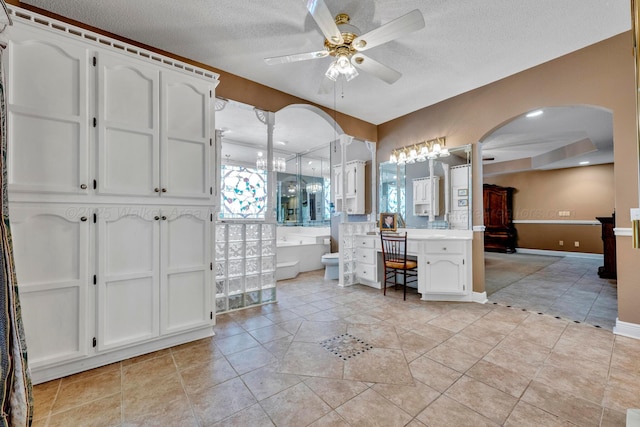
(47, 115)
(185, 283)
(128, 274)
(186, 136)
(444, 274)
(128, 129)
(51, 255)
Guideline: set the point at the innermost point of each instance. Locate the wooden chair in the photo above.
(394, 254)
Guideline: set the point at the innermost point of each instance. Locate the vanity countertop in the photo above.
(430, 234)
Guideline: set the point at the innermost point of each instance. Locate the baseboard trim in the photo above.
(559, 253)
(626, 329)
(479, 297)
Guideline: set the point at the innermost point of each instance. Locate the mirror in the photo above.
(422, 202)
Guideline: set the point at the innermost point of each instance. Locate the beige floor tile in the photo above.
(416, 343)
(379, 335)
(311, 359)
(106, 412)
(379, 365)
(335, 392)
(176, 412)
(540, 330)
(145, 357)
(279, 347)
(479, 333)
(253, 416)
(446, 412)
(88, 389)
(525, 415)
(250, 359)
(533, 352)
(469, 345)
(316, 332)
(432, 332)
(226, 327)
(43, 397)
(266, 381)
(611, 418)
(281, 316)
(433, 373)
(370, 408)
(201, 354)
(518, 363)
(148, 372)
(584, 384)
(254, 322)
(200, 377)
(153, 398)
(411, 398)
(41, 422)
(291, 326)
(236, 343)
(332, 419)
(295, 406)
(488, 401)
(322, 316)
(563, 405)
(452, 357)
(499, 378)
(219, 402)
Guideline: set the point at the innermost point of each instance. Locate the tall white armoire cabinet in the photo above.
(110, 163)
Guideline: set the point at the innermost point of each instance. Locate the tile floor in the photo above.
(567, 287)
(411, 363)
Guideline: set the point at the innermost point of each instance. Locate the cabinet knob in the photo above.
(164, 218)
(157, 190)
(164, 190)
(428, 262)
(83, 186)
(444, 249)
(84, 218)
(156, 217)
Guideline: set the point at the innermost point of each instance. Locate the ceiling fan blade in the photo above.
(405, 24)
(371, 66)
(295, 58)
(321, 14)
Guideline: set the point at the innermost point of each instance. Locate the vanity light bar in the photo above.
(420, 152)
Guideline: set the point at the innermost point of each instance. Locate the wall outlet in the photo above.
(564, 213)
(576, 244)
(561, 243)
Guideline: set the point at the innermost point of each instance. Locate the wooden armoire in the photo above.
(499, 233)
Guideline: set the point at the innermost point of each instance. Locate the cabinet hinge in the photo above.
(211, 266)
(211, 217)
(211, 190)
(95, 61)
(211, 315)
(95, 184)
(94, 342)
(462, 261)
(210, 94)
(95, 122)
(95, 279)
(210, 142)
(95, 218)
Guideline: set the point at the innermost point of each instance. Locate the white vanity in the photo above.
(444, 262)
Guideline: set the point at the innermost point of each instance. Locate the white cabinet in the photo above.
(47, 114)
(426, 196)
(154, 131)
(367, 260)
(52, 258)
(349, 195)
(153, 273)
(444, 269)
(110, 181)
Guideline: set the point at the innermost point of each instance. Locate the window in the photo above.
(244, 192)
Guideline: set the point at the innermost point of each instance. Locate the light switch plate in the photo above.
(635, 214)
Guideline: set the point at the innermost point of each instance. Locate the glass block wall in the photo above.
(348, 232)
(245, 265)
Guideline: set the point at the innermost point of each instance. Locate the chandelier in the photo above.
(314, 187)
(420, 152)
(279, 164)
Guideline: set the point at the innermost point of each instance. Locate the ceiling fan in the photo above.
(344, 43)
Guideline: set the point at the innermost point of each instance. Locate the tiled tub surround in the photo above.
(429, 364)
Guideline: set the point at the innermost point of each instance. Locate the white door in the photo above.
(186, 136)
(47, 114)
(185, 269)
(51, 249)
(444, 274)
(128, 275)
(128, 127)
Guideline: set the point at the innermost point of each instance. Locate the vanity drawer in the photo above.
(445, 247)
(366, 256)
(366, 271)
(366, 242)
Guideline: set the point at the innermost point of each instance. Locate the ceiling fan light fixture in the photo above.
(332, 72)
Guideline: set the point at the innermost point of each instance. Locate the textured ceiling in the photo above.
(465, 43)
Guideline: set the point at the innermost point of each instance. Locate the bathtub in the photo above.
(296, 253)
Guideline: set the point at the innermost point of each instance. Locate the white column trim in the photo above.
(479, 228)
(627, 232)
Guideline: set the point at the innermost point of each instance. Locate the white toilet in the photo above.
(331, 265)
